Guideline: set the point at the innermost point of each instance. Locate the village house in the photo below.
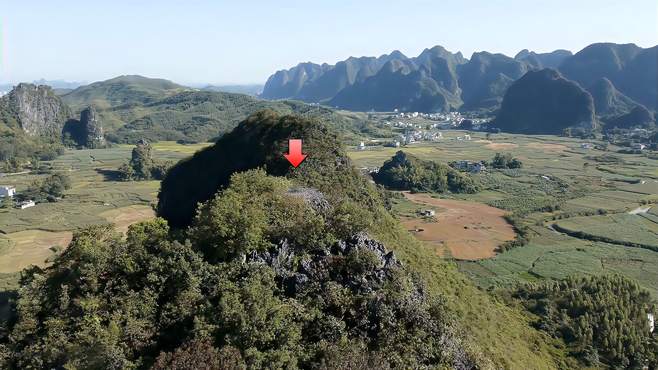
(470, 166)
(428, 213)
(7, 191)
(586, 146)
(467, 137)
(652, 322)
(26, 204)
(362, 146)
(638, 146)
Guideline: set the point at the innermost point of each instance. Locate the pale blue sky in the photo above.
(203, 41)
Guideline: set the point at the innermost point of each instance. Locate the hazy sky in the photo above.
(242, 41)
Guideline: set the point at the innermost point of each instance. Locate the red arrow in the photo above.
(295, 156)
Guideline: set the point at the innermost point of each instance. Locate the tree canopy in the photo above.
(407, 172)
(257, 281)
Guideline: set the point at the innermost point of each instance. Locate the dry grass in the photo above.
(547, 147)
(123, 217)
(31, 247)
(464, 230)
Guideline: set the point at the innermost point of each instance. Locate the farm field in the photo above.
(26, 236)
(460, 229)
(588, 190)
(623, 228)
(32, 247)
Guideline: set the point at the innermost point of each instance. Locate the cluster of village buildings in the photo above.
(446, 120)
(450, 116)
(10, 192)
(411, 137)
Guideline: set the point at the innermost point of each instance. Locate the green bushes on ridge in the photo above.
(260, 141)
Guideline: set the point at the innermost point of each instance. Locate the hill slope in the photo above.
(121, 90)
(632, 70)
(133, 107)
(486, 77)
(501, 333)
(544, 102)
(608, 100)
(35, 110)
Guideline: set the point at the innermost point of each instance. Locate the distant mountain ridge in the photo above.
(121, 90)
(439, 80)
(632, 69)
(127, 109)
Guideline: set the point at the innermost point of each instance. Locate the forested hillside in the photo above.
(604, 320)
(132, 108)
(304, 270)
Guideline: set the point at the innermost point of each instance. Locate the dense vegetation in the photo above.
(268, 275)
(602, 319)
(406, 172)
(49, 189)
(505, 161)
(18, 151)
(260, 141)
(142, 166)
(544, 102)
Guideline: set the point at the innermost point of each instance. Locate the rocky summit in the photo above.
(87, 131)
(92, 128)
(37, 109)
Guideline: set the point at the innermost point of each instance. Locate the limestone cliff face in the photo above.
(92, 128)
(39, 111)
(86, 132)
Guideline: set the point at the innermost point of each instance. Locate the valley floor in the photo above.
(34, 235)
(604, 198)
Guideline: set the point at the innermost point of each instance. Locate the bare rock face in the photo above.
(40, 112)
(86, 132)
(92, 128)
(318, 265)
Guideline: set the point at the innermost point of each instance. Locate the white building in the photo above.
(638, 146)
(467, 137)
(26, 204)
(7, 191)
(428, 212)
(586, 146)
(362, 146)
(652, 322)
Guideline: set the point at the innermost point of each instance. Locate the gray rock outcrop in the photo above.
(92, 128)
(86, 132)
(38, 110)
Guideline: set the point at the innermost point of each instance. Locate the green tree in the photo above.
(407, 172)
(142, 160)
